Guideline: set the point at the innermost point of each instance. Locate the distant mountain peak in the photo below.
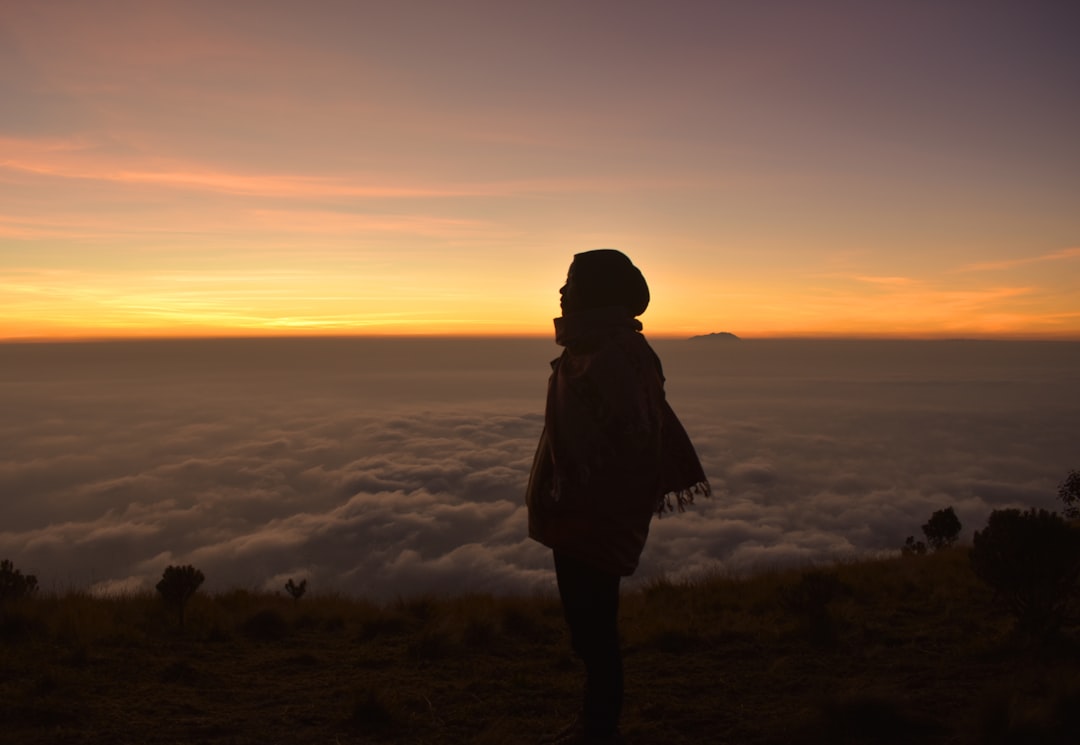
(717, 336)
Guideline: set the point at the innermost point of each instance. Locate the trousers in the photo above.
(590, 601)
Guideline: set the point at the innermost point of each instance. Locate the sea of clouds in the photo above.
(387, 467)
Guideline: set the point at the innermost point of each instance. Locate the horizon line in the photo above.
(704, 336)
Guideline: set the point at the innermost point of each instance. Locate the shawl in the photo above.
(612, 452)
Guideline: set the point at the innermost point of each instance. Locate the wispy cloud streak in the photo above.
(985, 266)
(80, 161)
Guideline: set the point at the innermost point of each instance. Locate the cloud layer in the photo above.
(394, 467)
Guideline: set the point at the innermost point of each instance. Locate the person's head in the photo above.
(602, 278)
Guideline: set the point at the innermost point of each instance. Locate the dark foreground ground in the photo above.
(906, 650)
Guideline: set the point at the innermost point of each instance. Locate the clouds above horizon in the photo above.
(128, 460)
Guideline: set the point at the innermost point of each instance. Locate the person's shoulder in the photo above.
(632, 350)
(631, 341)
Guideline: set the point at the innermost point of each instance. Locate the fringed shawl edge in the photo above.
(680, 499)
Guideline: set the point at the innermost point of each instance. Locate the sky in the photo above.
(391, 467)
(425, 167)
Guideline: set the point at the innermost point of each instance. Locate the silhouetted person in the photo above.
(611, 455)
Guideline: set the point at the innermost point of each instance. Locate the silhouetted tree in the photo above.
(296, 590)
(1032, 560)
(177, 585)
(1069, 494)
(14, 584)
(912, 547)
(942, 529)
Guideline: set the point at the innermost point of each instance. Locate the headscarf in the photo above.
(606, 277)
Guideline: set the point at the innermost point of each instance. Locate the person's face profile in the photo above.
(568, 299)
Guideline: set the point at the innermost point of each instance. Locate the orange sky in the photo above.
(835, 168)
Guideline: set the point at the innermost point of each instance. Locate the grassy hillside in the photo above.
(905, 650)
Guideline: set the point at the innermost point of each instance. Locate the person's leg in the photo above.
(590, 600)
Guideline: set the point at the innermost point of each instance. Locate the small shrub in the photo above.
(217, 634)
(808, 601)
(372, 713)
(422, 609)
(1046, 712)
(181, 673)
(1032, 560)
(478, 633)
(430, 644)
(865, 717)
(333, 624)
(525, 623)
(673, 640)
(386, 623)
(18, 624)
(1069, 494)
(912, 547)
(942, 529)
(266, 625)
(296, 590)
(663, 591)
(14, 585)
(77, 656)
(177, 586)
(811, 594)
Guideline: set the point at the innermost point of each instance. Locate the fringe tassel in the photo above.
(678, 501)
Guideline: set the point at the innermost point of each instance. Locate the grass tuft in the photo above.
(266, 625)
(868, 718)
(372, 713)
(430, 644)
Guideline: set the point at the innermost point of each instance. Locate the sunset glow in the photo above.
(272, 168)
